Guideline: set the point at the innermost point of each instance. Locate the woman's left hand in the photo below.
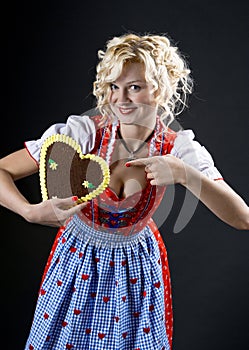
(162, 170)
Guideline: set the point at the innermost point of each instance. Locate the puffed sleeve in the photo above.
(194, 154)
(80, 128)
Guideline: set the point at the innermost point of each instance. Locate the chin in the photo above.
(127, 120)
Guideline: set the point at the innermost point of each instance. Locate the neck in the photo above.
(136, 132)
(133, 144)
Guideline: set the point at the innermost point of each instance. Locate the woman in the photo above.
(107, 282)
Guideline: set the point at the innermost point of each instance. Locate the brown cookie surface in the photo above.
(65, 171)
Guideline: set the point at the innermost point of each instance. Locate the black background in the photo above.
(48, 66)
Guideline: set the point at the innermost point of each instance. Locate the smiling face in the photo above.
(131, 98)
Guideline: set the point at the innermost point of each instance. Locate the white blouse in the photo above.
(82, 130)
(194, 154)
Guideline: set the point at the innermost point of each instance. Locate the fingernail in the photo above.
(127, 164)
(75, 198)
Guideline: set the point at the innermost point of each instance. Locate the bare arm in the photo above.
(13, 167)
(218, 196)
(51, 212)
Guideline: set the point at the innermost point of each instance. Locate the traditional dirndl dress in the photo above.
(106, 284)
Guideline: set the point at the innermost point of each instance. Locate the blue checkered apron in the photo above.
(101, 291)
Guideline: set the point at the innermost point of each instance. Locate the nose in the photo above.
(121, 96)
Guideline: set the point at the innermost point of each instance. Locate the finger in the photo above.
(138, 162)
(69, 201)
(153, 182)
(148, 168)
(64, 214)
(150, 176)
(76, 209)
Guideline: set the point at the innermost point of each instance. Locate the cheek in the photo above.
(143, 98)
(150, 100)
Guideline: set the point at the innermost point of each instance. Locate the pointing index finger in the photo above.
(138, 162)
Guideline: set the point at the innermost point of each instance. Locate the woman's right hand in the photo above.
(52, 212)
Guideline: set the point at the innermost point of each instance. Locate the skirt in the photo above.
(101, 291)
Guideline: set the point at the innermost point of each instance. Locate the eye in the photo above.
(135, 87)
(113, 87)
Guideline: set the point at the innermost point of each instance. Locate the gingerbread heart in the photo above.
(65, 171)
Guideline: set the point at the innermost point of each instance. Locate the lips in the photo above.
(126, 110)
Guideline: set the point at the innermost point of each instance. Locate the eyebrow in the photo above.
(132, 82)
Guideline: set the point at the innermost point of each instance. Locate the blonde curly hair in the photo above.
(164, 66)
